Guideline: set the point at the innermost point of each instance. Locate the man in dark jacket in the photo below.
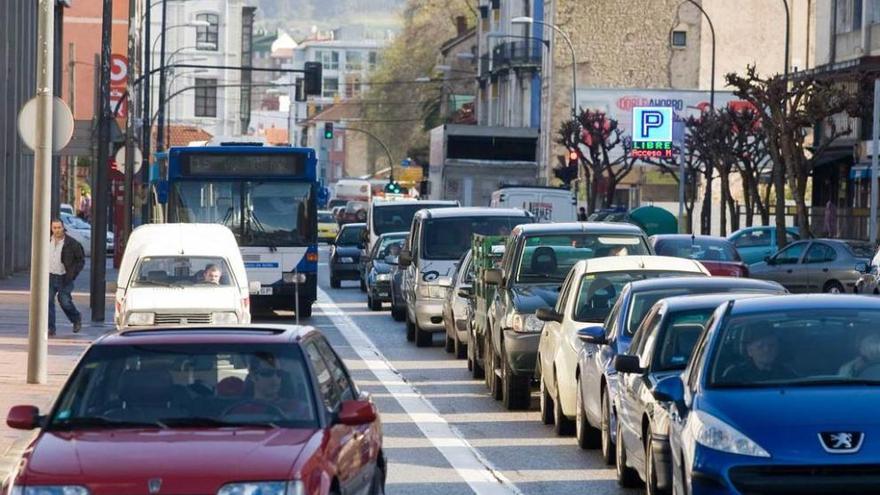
(66, 261)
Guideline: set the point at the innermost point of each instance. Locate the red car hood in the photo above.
(187, 460)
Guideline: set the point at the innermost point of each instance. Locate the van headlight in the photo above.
(263, 488)
(140, 318)
(431, 291)
(525, 323)
(383, 277)
(224, 318)
(49, 490)
(711, 432)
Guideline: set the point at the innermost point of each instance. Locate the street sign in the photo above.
(120, 160)
(118, 84)
(62, 124)
(652, 132)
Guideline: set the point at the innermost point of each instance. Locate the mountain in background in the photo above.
(300, 15)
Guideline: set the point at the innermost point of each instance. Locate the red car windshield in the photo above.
(168, 386)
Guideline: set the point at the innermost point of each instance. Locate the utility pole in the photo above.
(146, 122)
(100, 186)
(160, 124)
(57, 66)
(129, 124)
(71, 88)
(38, 313)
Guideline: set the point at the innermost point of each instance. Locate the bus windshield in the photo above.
(259, 213)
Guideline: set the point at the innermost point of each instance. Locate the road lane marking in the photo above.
(471, 466)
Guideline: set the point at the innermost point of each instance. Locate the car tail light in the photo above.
(312, 257)
(246, 303)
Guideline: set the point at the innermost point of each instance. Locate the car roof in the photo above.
(472, 211)
(354, 225)
(702, 282)
(180, 239)
(233, 334)
(635, 263)
(703, 301)
(805, 302)
(428, 203)
(687, 237)
(587, 227)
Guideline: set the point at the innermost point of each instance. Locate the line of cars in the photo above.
(667, 369)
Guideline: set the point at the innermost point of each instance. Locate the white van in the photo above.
(548, 204)
(384, 216)
(182, 273)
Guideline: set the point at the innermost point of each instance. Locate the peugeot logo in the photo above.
(841, 442)
(154, 485)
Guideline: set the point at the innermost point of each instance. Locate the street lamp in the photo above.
(712, 29)
(529, 20)
(178, 26)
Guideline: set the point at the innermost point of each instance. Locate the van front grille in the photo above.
(183, 319)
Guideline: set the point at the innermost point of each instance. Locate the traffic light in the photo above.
(328, 130)
(392, 188)
(313, 73)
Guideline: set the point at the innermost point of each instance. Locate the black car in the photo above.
(378, 266)
(661, 347)
(398, 303)
(345, 255)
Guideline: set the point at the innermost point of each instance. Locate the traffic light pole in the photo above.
(387, 151)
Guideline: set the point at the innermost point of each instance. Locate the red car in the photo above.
(717, 254)
(256, 410)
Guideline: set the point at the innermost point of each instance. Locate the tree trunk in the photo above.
(610, 189)
(706, 213)
(748, 205)
(725, 193)
(764, 206)
(779, 185)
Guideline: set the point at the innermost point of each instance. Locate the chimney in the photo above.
(461, 24)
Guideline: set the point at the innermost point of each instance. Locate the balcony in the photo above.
(516, 54)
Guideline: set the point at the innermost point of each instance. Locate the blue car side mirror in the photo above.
(592, 335)
(669, 389)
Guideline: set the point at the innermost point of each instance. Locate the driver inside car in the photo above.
(868, 358)
(269, 390)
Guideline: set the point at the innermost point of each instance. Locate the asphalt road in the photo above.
(443, 433)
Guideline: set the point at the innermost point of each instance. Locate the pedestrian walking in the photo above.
(582, 214)
(830, 219)
(66, 261)
(85, 205)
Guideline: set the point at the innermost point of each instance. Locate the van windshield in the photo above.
(182, 271)
(398, 217)
(449, 238)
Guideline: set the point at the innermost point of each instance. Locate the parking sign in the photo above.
(652, 124)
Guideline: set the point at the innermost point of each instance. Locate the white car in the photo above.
(587, 296)
(79, 230)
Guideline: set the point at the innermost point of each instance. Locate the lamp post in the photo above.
(712, 30)
(529, 20)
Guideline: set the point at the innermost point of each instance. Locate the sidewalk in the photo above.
(64, 351)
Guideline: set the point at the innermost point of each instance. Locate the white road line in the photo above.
(473, 468)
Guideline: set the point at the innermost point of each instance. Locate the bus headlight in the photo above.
(224, 318)
(137, 319)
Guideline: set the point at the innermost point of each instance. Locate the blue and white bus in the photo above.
(267, 196)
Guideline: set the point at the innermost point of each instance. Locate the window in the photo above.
(337, 371)
(328, 58)
(331, 87)
(373, 59)
(206, 98)
(791, 254)
(755, 238)
(849, 15)
(207, 37)
(679, 39)
(354, 60)
(820, 253)
(329, 392)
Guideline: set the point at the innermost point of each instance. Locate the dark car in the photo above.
(377, 268)
(817, 265)
(717, 254)
(660, 348)
(398, 303)
(780, 396)
(345, 254)
(265, 409)
(537, 258)
(597, 379)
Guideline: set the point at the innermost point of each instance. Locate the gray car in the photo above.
(817, 265)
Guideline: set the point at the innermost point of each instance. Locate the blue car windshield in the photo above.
(803, 348)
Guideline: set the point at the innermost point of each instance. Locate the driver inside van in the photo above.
(212, 274)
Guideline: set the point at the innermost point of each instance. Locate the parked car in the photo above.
(717, 254)
(660, 348)
(869, 281)
(780, 392)
(536, 260)
(179, 274)
(81, 231)
(327, 226)
(756, 243)
(457, 309)
(818, 265)
(597, 379)
(345, 254)
(437, 239)
(588, 294)
(262, 409)
(377, 268)
(398, 302)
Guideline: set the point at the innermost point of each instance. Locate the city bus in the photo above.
(267, 196)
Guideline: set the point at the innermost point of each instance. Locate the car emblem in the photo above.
(183, 321)
(841, 442)
(154, 485)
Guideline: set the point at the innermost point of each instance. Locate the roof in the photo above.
(234, 334)
(704, 301)
(347, 110)
(428, 203)
(472, 211)
(638, 263)
(522, 186)
(386, 235)
(354, 225)
(167, 238)
(702, 282)
(182, 135)
(804, 302)
(586, 227)
(469, 34)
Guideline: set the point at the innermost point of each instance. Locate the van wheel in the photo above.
(423, 338)
(334, 282)
(398, 314)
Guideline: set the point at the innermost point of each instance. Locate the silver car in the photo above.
(817, 265)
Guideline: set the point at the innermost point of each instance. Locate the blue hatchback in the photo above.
(780, 396)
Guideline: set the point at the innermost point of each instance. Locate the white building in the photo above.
(205, 32)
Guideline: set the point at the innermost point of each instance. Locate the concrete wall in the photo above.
(18, 22)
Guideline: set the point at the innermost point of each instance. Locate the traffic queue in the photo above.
(689, 369)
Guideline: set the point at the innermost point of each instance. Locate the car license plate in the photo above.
(383, 294)
(346, 260)
(265, 291)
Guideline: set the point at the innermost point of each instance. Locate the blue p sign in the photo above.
(652, 124)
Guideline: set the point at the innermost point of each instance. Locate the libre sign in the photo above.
(652, 132)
